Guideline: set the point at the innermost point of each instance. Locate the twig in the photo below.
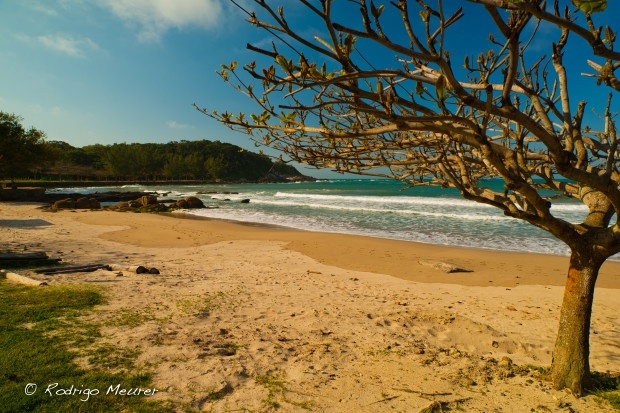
(421, 393)
(78, 268)
(387, 399)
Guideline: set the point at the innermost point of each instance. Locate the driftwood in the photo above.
(11, 276)
(25, 259)
(70, 269)
(25, 256)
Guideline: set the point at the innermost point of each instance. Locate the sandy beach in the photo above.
(242, 317)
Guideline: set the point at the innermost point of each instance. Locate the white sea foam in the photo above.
(375, 208)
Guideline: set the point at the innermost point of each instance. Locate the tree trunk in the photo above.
(570, 367)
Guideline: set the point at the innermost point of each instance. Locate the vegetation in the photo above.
(36, 327)
(21, 150)
(26, 154)
(394, 93)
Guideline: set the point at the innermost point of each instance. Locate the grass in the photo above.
(37, 327)
(129, 317)
(200, 306)
(607, 387)
(277, 390)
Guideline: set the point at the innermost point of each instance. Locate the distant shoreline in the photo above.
(85, 184)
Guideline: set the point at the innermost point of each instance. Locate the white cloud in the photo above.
(68, 45)
(173, 124)
(156, 17)
(44, 9)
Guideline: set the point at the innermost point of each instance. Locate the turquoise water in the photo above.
(378, 208)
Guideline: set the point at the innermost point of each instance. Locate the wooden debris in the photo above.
(25, 259)
(11, 276)
(443, 266)
(421, 393)
(70, 269)
(25, 256)
(386, 399)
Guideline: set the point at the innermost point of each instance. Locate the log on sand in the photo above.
(14, 277)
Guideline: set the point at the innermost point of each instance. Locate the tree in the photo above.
(20, 149)
(382, 95)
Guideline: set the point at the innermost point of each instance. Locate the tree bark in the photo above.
(570, 367)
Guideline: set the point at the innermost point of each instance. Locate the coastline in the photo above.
(238, 305)
(361, 253)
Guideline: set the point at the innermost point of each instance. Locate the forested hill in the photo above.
(25, 154)
(185, 160)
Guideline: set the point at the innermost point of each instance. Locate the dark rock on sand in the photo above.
(141, 270)
(80, 203)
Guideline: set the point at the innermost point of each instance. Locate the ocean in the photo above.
(371, 207)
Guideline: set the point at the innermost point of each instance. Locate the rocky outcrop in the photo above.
(150, 203)
(80, 203)
(22, 194)
(147, 200)
(274, 177)
(87, 203)
(193, 202)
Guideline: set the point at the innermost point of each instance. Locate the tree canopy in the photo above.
(20, 148)
(26, 154)
(390, 94)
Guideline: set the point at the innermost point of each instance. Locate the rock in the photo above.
(443, 266)
(434, 407)
(466, 382)
(181, 203)
(156, 207)
(147, 200)
(67, 203)
(505, 362)
(245, 201)
(141, 270)
(81, 203)
(193, 202)
(87, 203)
(153, 271)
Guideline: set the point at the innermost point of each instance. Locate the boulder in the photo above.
(245, 201)
(181, 203)
(141, 270)
(66, 203)
(193, 202)
(147, 200)
(87, 203)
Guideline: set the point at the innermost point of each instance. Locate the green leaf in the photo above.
(283, 63)
(590, 6)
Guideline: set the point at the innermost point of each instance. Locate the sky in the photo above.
(110, 71)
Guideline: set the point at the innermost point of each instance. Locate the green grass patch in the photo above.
(37, 328)
(130, 317)
(277, 392)
(607, 387)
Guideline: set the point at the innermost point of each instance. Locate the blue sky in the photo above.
(108, 71)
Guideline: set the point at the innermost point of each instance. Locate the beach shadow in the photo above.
(24, 223)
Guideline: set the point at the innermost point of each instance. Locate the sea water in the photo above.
(372, 207)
